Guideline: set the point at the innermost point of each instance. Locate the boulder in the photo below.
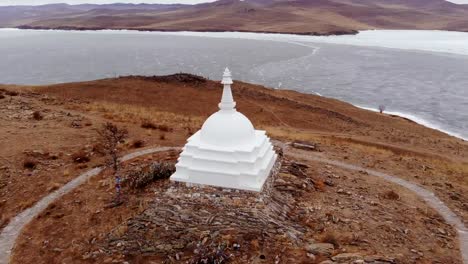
(320, 248)
(305, 146)
(346, 257)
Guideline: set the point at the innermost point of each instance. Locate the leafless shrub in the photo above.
(382, 108)
(156, 171)
(162, 137)
(37, 115)
(205, 255)
(111, 136)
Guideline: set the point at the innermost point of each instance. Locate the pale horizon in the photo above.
(76, 2)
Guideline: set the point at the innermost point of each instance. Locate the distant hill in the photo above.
(282, 16)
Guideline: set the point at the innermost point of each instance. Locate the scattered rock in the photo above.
(327, 262)
(379, 259)
(320, 249)
(346, 257)
(76, 124)
(311, 256)
(305, 146)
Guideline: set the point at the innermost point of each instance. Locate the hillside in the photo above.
(325, 211)
(300, 16)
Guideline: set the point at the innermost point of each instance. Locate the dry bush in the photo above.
(165, 128)
(37, 115)
(4, 221)
(162, 137)
(2, 96)
(189, 131)
(381, 108)
(330, 238)
(80, 157)
(391, 195)
(111, 137)
(11, 93)
(148, 124)
(99, 149)
(29, 164)
(157, 171)
(138, 143)
(319, 185)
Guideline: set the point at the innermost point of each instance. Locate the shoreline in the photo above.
(214, 30)
(415, 119)
(404, 40)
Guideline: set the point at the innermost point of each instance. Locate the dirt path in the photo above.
(11, 232)
(429, 197)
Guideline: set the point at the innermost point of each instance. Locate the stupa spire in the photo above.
(227, 101)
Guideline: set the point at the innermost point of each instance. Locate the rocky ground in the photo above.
(309, 213)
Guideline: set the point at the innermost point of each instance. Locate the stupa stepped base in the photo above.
(244, 168)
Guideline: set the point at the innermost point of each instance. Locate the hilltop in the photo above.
(330, 212)
(323, 17)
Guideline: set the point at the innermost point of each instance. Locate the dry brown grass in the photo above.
(139, 115)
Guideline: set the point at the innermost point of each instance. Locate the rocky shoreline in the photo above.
(77, 28)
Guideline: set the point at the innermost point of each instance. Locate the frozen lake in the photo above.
(419, 74)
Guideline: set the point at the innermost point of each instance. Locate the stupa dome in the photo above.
(228, 129)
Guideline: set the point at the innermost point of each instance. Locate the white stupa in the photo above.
(227, 152)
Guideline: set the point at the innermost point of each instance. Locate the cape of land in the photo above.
(323, 17)
(319, 212)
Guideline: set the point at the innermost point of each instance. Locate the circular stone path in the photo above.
(11, 232)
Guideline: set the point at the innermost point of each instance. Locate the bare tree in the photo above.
(381, 108)
(111, 137)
